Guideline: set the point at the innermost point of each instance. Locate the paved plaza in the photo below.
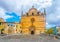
(28, 38)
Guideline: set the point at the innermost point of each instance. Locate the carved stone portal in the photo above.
(32, 30)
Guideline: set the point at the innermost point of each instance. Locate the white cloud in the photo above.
(54, 17)
(48, 25)
(16, 5)
(44, 3)
(3, 15)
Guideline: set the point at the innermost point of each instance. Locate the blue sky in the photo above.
(10, 10)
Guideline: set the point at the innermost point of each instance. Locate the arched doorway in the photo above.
(32, 30)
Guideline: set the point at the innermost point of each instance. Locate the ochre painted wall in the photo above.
(39, 24)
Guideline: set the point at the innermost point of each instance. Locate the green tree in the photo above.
(50, 31)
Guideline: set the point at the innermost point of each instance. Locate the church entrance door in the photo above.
(32, 32)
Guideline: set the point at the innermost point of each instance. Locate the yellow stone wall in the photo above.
(2, 26)
(12, 29)
(5, 28)
(19, 28)
(39, 23)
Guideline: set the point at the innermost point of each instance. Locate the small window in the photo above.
(32, 19)
(20, 27)
(27, 14)
(16, 29)
(38, 13)
(21, 31)
(32, 13)
(16, 25)
(8, 25)
(0, 23)
(11, 25)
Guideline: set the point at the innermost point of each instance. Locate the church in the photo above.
(33, 22)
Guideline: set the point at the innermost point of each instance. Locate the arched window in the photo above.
(37, 13)
(32, 19)
(20, 27)
(11, 25)
(0, 23)
(21, 31)
(32, 13)
(27, 14)
(8, 25)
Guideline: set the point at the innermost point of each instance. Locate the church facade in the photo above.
(33, 22)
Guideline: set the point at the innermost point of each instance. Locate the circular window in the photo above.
(32, 19)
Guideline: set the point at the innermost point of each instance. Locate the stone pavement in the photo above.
(28, 38)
